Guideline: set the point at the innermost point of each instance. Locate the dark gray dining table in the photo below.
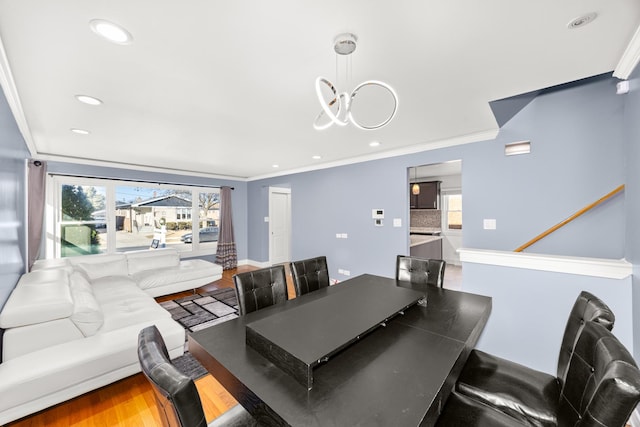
(398, 371)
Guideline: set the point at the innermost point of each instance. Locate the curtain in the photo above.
(226, 254)
(36, 178)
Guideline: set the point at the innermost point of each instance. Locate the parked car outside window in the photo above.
(206, 234)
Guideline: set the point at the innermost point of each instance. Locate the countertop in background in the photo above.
(421, 239)
(425, 230)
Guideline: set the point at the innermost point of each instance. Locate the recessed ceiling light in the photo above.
(80, 131)
(110, 31)
(275, 166)
(316, 157)
(90, 100)
(583, 20)
(374, 144)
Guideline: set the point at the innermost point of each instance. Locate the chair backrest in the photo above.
(420, 271)
(586, 308)
(260, 288)
(309, 274)
(602, 386)
(176, 394)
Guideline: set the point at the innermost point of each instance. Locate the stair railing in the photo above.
(571, 218)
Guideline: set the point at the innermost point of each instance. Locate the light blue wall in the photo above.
(530, 310)
(13, 153)
(238, 195)
(577, 157)
(578, 153)
(632, 128)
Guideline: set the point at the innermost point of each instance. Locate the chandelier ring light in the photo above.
(345, 44)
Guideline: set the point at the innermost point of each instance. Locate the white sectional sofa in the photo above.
(71, 326)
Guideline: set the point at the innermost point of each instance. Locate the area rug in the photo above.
(199, 311)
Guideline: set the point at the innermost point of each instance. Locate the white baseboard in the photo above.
(253, 263)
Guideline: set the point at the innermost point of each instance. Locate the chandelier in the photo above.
(342, 102)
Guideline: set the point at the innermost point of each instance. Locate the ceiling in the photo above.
(227, 88)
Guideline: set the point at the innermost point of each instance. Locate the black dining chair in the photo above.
(176, 394)
(309, 274)
(260, 288)
(601, 389)
(514, 388)
(420, 271)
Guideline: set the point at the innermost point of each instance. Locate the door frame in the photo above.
(272, 191)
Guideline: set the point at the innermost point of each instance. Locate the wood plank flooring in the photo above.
(130, 401)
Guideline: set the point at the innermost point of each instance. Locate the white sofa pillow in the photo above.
(152, 260)
(87, 314)
(96, 270)
(32, 303)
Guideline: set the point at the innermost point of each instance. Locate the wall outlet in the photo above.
(345, 235)
(346, 272)
(397, 222)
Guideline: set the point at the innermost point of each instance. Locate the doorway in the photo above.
(435, 216)
(279, 225)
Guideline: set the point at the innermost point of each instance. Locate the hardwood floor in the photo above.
(130, 401)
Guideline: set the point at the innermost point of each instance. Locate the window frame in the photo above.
(445, 210)
(53, 213)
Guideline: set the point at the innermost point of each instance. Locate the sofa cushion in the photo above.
(26, 339)
(152, 260)
(87, 315)
(187, 270)
(32, 303)
(53, 263)
(45, 276)
(115, 288)
(96, 270)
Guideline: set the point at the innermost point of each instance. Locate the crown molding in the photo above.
(412, 149)
(630, 58)
(131, 166)
(11, 93)
(595, 267)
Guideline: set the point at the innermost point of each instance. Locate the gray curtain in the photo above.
(36, 173)
(226, 254)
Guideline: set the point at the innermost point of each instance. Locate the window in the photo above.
(82, 220)
(453, 210)
(89, 216)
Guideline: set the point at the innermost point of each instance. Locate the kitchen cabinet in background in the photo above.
(429, 197)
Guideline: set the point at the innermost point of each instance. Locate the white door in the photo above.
(279, 225)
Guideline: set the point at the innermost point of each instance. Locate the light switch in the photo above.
(266, 219)
(397, 222)
(489, 224)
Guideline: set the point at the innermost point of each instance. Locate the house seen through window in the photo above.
(93, 216)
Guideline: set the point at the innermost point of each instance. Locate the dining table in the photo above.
(368, 351)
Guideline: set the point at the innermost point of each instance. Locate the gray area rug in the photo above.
(199, 311)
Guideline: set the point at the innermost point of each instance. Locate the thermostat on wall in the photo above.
(377, 213)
